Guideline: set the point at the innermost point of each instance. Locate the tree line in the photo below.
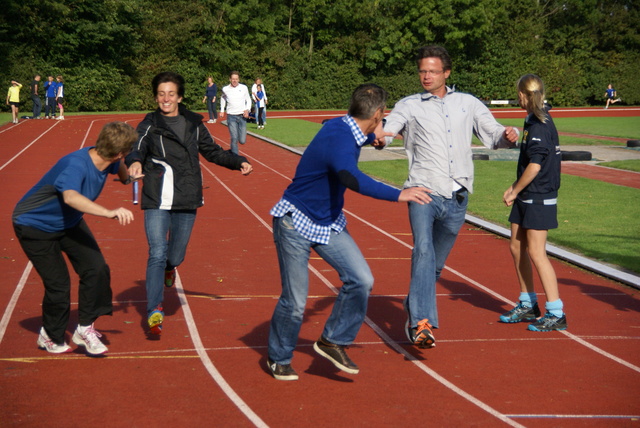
(312, 53)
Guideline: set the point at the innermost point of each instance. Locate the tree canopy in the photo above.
(312, 53)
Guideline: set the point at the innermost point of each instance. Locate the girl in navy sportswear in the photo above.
(533, 198)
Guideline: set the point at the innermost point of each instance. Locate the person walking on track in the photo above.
(236, 101)
(171, 139)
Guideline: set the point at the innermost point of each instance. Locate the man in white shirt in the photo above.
(437, 126)
(236, 100)
(254, 90)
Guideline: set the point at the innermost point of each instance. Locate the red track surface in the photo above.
(209, 367)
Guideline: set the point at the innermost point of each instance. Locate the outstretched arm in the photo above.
(83, 204)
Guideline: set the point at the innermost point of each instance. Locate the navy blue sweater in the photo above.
(327, 168)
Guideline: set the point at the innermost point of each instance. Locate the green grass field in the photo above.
(591, 221)
(298, 132)
(590, 215)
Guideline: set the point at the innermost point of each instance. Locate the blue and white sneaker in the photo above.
(549, 322)
(521, 313)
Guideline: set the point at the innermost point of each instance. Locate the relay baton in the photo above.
(135, 192)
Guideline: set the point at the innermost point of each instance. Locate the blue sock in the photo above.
(555, 308)
(528, 299)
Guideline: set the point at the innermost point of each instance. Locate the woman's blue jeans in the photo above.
(435, 227)
(350, 306)
(168, 233)
(211, 106)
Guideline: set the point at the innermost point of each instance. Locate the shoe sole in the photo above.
(336, 363)
(515, 321)
(407, 324)
(532, 328)
(80, 342)
(407, 327)
(41, 345)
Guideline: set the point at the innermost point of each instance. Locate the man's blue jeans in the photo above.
(350, 306)
(37, 106)
(435, 227)
(237, 129)
(168, 233)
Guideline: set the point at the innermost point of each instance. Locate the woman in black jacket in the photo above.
(167, 154)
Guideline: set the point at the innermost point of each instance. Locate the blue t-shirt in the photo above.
(43, 206)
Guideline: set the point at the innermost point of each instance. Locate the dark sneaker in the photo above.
(155, 321)
(169, 277)
(422, 335)
(281, 371)
(521, 313)
(549, 322)
(336, 354)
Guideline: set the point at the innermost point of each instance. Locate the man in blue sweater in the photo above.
(309, 215)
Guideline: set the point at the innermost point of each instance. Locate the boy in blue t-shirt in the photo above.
(51, 90)
(48, 221)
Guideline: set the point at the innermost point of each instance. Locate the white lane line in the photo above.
(545, 416)
(86, 134)
(466, 278)
(380, 332)
(504, 299)
(27, 146)
(204, 357)
(8, 311)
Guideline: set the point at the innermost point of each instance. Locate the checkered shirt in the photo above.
(304, 225)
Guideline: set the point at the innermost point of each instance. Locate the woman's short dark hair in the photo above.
(434, 51)
(165, 77)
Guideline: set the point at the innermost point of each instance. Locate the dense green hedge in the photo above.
(312, 54)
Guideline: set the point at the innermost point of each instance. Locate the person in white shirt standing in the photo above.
(254, 91)
(236, 100)
(437, 126)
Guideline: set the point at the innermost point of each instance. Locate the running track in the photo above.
(209, 367)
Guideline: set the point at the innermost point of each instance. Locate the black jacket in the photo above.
(173, 180)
